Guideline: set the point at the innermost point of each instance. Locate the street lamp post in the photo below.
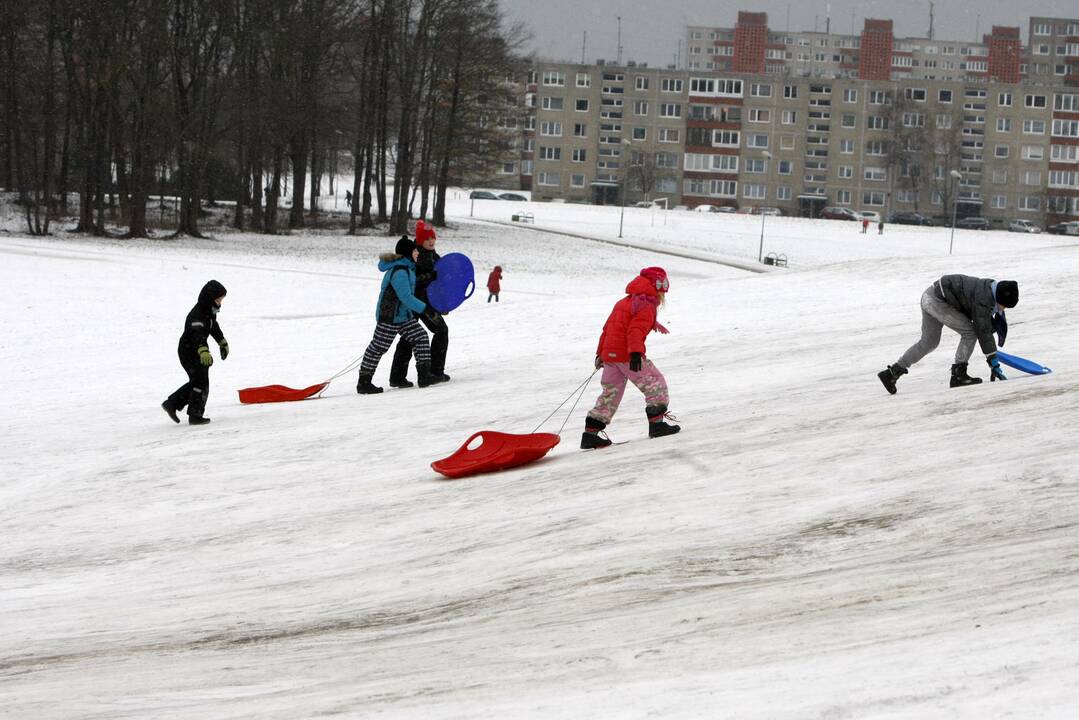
(760, 253)
(956, 175)
(622, 191)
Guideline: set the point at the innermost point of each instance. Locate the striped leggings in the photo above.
(383, 339)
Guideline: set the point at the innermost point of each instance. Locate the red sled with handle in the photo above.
(496, 451)
(279, 393)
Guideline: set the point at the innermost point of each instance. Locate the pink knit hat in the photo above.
(658, 276)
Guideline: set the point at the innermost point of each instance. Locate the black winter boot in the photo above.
(171, 412)
(591, 438)
(366, 387)
(400, 383)
(424, 378)
(656, 425)
(197, 420)
(889, 375)
(960, 377)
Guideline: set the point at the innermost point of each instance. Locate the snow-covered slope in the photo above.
(808, 546)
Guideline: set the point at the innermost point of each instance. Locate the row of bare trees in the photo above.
(110, 101)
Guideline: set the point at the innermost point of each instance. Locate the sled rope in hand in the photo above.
(579, 392)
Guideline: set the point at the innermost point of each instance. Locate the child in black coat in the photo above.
(195, 356)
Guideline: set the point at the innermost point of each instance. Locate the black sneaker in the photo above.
(197, 420)
(593, 440)
(170, 412)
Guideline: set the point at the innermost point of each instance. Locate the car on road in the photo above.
(767, 211)
(839, 213)
(1023, 226)
(972, 223)
(1064, 228)
(482, 195)
(871, 215)
(512, 196)
(909, 218)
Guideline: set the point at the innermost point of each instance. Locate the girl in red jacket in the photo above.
(622, 355)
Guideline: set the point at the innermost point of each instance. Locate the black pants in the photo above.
(193, 393)
(440, 342)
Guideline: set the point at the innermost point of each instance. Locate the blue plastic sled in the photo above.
(1027, 366)
(455, 283)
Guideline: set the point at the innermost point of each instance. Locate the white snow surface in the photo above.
(807, 547)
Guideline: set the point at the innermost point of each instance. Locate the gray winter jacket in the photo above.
(974, 298)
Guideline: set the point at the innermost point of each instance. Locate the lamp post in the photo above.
(760, 253)
(956, 175)
(622, 190)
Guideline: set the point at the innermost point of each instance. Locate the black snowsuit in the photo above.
(974, 298)
(431, 318)
(201, 323)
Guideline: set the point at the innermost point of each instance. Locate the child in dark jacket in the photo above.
(623, 356)
(432, 319)
(396, 314)
(195, 356)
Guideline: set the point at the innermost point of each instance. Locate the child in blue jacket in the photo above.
(396, 314)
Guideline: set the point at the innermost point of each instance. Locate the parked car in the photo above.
(644, 204)
(767, 211)
(909, 218)
(839, 213)
(871, 215)
(1023, 226)
(482, 195)
(680, 207)
(1064, 228)
(746, 210)
(512, 196)
(973, 223)
(721, 209)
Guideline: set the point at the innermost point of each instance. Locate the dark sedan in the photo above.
(909, 218)
(973, 223)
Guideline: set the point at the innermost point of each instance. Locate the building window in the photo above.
(580, 130)
(641, 82)
(553, 103)
(530, 145)
(530, 123)
(1032, 177)
(581, 105)
(878, 97)
(1064, 128)
(876, 174)
(1000, 176)
(916, 94)
(1033, 152)
(850, 95)
(1004, 99)
(905, 196)
(848, 120)
(1043, 29)
(789, 117)
(877, 122)
(1004, 125)
(526, 167)
(760, 90)
(757, 141)
(944, 121)
(576, 180)
(667, 160)
(584, 80)
(550, 153)
(944, 96)
(790, 91)
(640, 107)
(640, 133)
(912, 120)
(842, 197)
(846, 171)
(846, 146)
(671, 85)
(668, 135)
(754, 191)
(580, 155)
(759, 115)
(508, 168)
(551, 129)
(937, 198)
(1031, 203)
(549, 178)
(1001, 151)
(756, 165)
(1066, 103)
(873, 198)
(1035, 101)
(554, 79)
(670, 110)
(875, 147)
(785, 167)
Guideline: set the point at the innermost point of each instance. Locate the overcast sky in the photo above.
(651, 29)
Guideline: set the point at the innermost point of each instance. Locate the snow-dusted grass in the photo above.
(808, 546)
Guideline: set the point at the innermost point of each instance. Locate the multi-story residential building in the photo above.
(859, 128)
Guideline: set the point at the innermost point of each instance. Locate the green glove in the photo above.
(205, 357)
(224, 346)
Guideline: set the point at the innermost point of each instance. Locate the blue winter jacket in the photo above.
(404, 284)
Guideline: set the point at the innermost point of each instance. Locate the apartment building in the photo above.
(861, 131)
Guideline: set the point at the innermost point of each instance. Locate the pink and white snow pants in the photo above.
(649, 380)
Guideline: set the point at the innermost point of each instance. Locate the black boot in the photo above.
(400, 382)
(424, 378)
(366, 387)
(197, 420)
(591, 438)
(889, 375)
(960, 377)
(656, 425)
(170, 411)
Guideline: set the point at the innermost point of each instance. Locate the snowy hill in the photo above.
(808, 546)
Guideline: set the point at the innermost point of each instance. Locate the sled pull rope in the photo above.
(579, 392)
(348, 368)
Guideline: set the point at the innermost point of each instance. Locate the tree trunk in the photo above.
(316, 176)
(298, 155)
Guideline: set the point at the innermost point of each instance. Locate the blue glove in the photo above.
(994, 367)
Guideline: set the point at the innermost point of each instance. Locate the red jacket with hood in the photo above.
(632, 318)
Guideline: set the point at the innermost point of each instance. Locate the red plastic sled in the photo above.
(498, 451)
(278, 393)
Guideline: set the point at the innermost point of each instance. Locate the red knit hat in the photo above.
(658, 276)
(424, 232)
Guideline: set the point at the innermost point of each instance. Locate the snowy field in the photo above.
(807, 547)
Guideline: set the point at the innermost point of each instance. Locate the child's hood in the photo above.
(210, 292)
(387, 261)
(641, 286)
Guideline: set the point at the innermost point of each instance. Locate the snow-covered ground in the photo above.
(807, 547)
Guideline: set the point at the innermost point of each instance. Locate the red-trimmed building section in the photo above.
(750, 38)
(875, 61)
(1005, 51)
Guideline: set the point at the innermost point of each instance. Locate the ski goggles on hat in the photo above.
(663, 284)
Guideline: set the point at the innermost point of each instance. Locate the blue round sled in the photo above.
(455, 283)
